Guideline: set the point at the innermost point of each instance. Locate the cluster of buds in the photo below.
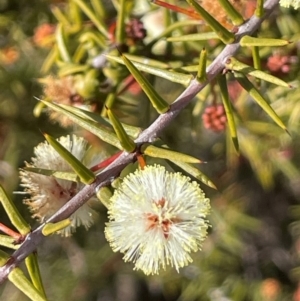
(278, 63)
(135, 32)
(214, 118)
(43, 35)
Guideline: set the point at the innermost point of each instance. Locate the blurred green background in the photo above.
(252, 251)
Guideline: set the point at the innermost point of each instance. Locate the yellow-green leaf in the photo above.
(98, 22)
(104, 194)
(226, 36)
(37, 111)
(3, 258)
(61, 44)
(8, 242)
(84, 173)
(201, 75)
(127, 144)
(228, 110)
(50, 59)
(259, 11)
(234, 64)
(71, 68)
(195, 172)
(91, 37)
(256, 58)
(17, 277)
(233, 14)
(132, 131)
(171, 28)
(172, 76)
(203, 36)
(100, 131)
(120, 23)
(163, 153)
(13, 213)
(247, 85)
(34, 273)
(51, 228)
(157, 101)
(147, 61)
(247, 41)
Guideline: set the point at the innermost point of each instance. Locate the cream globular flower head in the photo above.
(157, 218)
(287, 3)
(47, 193)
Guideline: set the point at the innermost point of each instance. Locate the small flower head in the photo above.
(156, 218)
(62, 91)
(287, 3)
(47, 193)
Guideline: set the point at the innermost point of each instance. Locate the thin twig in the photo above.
(35, 238)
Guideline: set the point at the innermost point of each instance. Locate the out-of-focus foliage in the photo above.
(51, 49)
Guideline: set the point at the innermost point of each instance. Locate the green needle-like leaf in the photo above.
(234, 64)
(195, 172)
(3, 258)
(233, 14)
(120, 24)
(247, 41)
(172, 76)
(50, 59)
(201, 75)
(61, 44)
(98, 8)
(84, 173)
(203, 36)
(158, 152)
(127, 144)
(17, 277)
(247, 85)
(226, 36)
(256, 61)
(13, 213)
(70, 68)
(60, 17)
(259, 11)
(100, 131)
(229, 111)
(92, 17)
(34, 273)
(104, 195)
(51, 228)
(132, 131)
(157, 101)
(8, 242)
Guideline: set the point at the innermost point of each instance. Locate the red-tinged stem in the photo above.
(106, 162)
(128, 85)
(188, 12)
(10, 232)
